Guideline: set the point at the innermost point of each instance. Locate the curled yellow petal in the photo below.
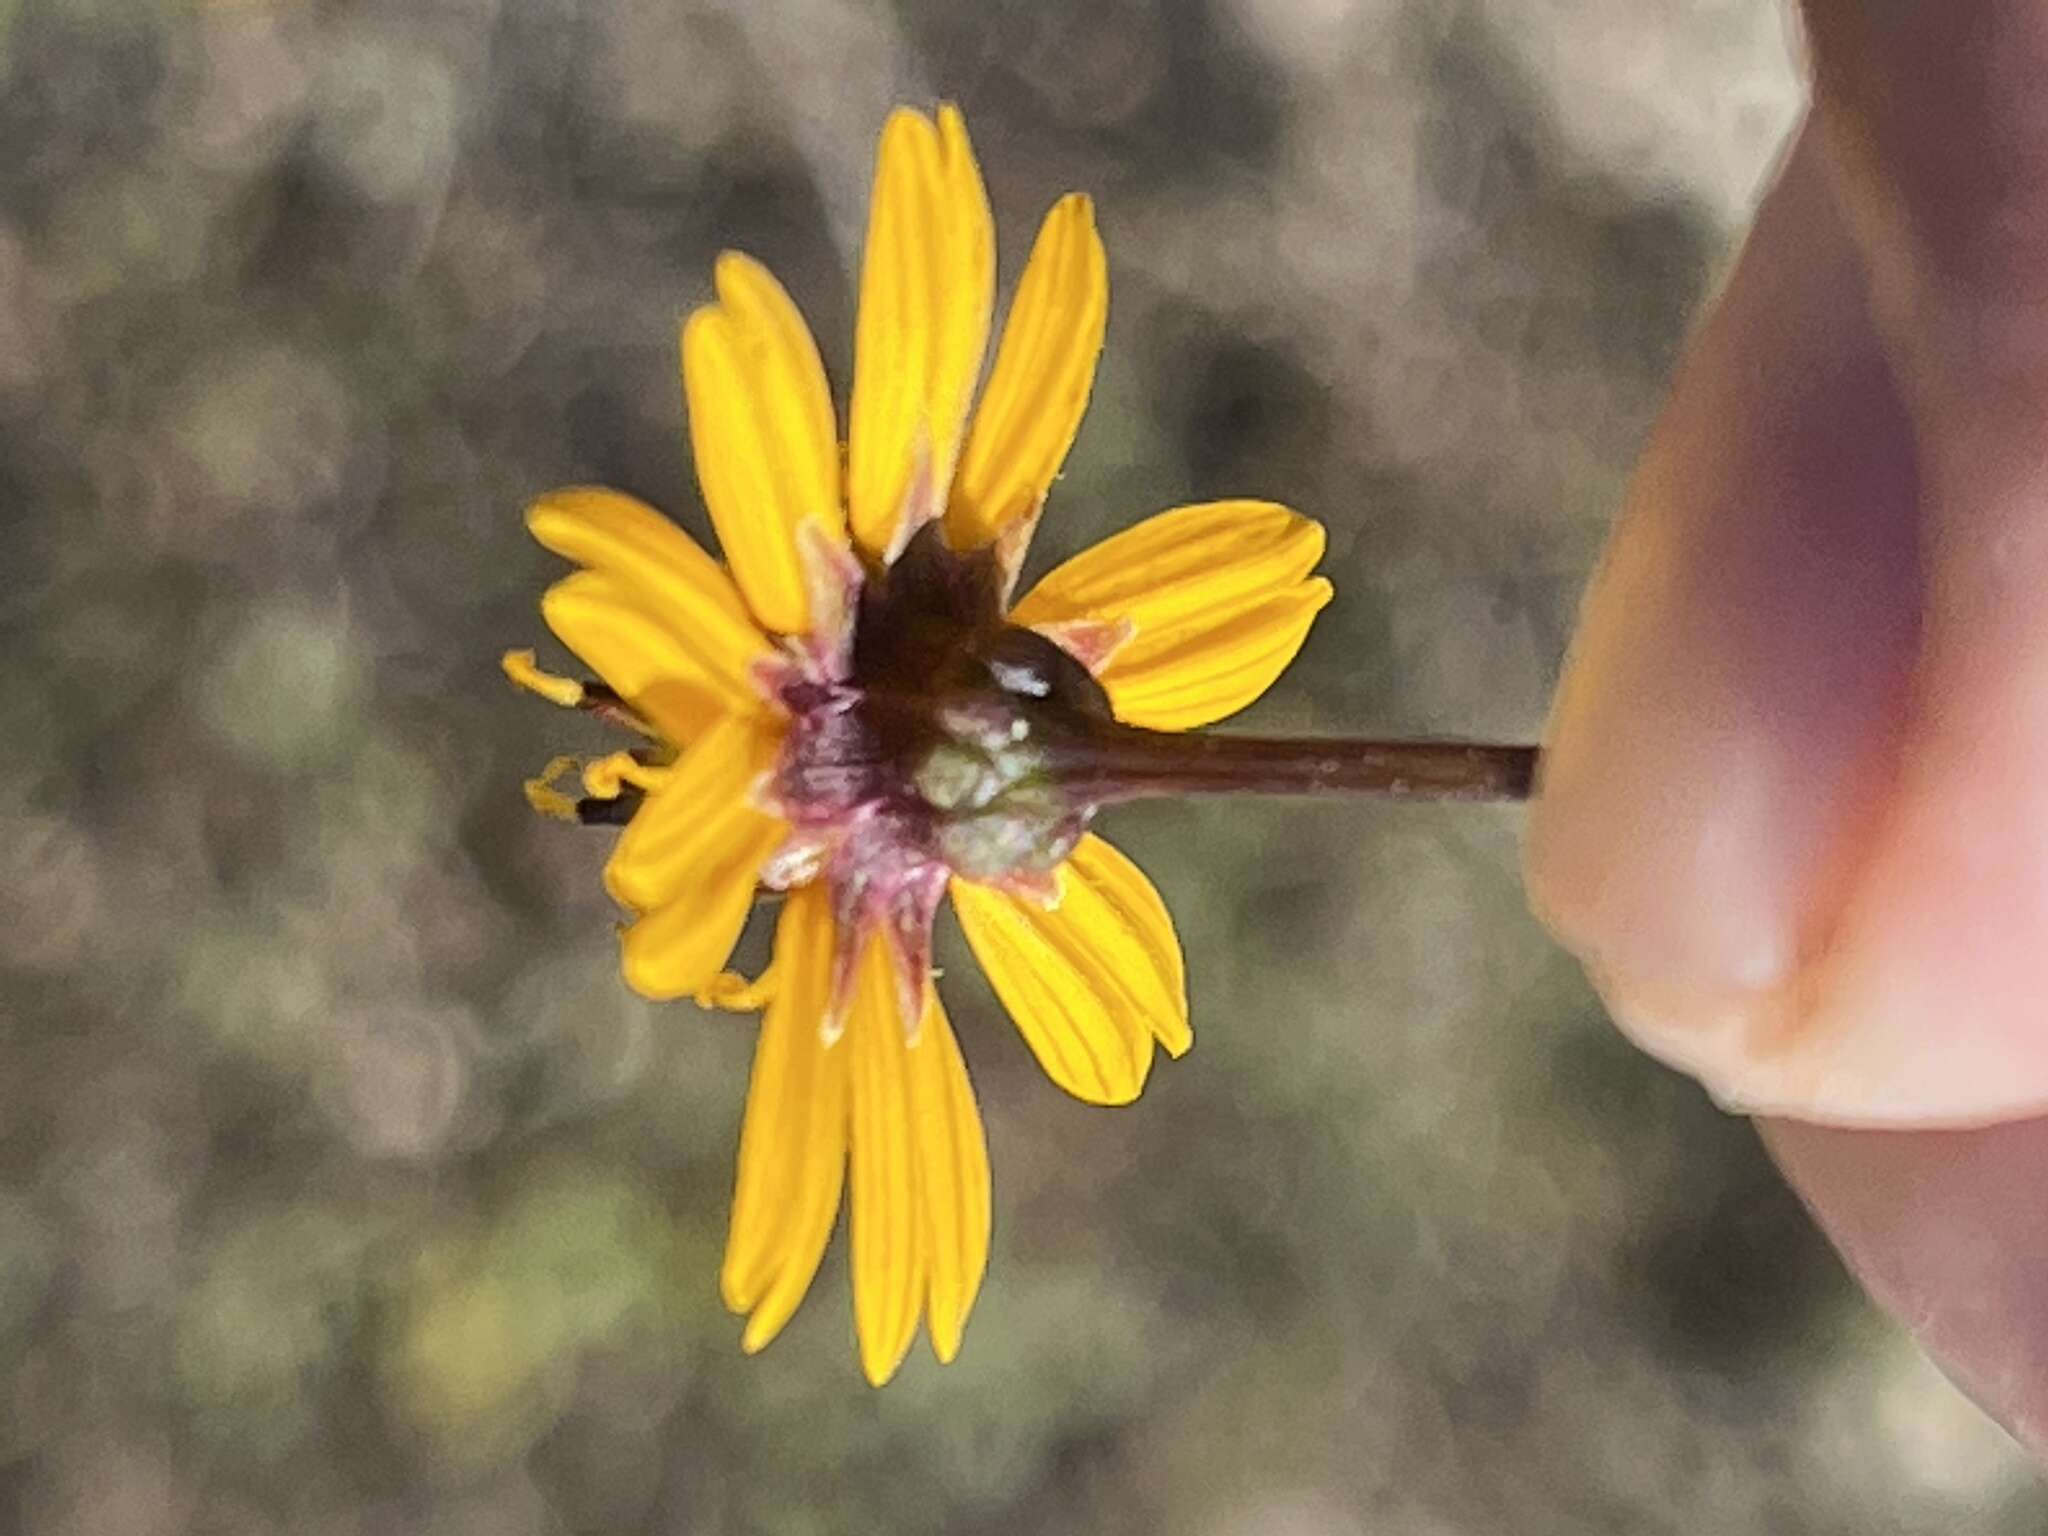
(952, 1158)
(927, 284)
(1091, 981)
(680, 685)
(701, 819)
(676, 949)
(689, 860)
(1038, 389)
(792, 1161)
(654, 615)
(671, 572)
(886, 1221)
(1218, 599)
(761, 428)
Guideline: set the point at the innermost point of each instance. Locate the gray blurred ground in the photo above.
(344, 1189)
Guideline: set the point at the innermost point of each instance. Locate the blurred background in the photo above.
(343, 1186)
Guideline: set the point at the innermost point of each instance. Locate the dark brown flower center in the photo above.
(938, 746)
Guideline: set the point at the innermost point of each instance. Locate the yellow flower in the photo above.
(851, 711)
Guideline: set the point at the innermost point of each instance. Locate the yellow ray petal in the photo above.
(1039, 386)
(1218, 597)
(1197, 674)
(1143, 929)
(952, 1160)
(927, 283)
(792, 1161)
(674, 950)
(702, 821)
(1091, 981)
(669, 573)
(699, 848)
(681, 681)
(1180, 564)
(762, 430)
(888, 1239)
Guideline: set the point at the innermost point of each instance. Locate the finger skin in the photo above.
(1760, 609)
(1946, 171)
(1850, 924)
(1796, 817)
(1731, 712)
(1948, 1230)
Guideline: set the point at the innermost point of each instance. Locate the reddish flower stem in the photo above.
(1126, 764)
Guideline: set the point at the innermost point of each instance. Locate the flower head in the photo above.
(851, 710)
